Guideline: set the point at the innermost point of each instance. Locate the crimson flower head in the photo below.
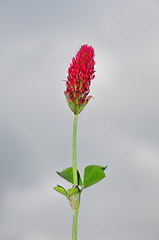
(80, 74)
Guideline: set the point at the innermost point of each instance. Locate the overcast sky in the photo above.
(118, 128)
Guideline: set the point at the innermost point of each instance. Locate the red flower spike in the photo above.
(80, 74)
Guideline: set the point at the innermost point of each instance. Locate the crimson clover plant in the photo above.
(80, 74)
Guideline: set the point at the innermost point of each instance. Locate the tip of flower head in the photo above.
(80, 74)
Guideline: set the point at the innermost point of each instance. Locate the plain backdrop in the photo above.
(119, 127)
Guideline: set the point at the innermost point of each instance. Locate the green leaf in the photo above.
(93, 174)
(67, 174)
(61, 190)
(72, 191)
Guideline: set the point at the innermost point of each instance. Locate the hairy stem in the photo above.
(74, 227)
(75, 180)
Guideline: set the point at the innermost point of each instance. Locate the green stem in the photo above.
(75, 180)
(74, 227)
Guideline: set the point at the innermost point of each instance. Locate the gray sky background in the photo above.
(119, 127)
